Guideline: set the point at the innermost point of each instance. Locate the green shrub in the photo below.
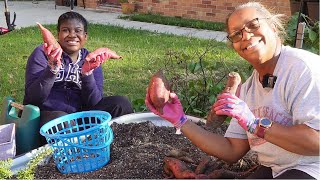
(198, 75)
(311, 33)
(5, 172)
(28, 172)
(176, 21)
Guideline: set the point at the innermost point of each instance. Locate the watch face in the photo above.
(265, 122)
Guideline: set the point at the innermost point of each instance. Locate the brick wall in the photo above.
(92, 4)
(207, 10)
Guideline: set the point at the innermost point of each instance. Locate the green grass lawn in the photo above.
(143, 54)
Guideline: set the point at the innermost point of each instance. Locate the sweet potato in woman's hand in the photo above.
(159, 91)
(233, 82)
(48, 37)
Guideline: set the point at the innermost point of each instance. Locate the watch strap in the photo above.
(261, 129)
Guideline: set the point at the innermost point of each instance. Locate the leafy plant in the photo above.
(197, 79)
(197, 76)
(311, 33)
(5, 172)
(139, 105)
(28, 172)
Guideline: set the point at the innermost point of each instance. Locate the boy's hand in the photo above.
(54, 57)
(91, 64)
(106, 54)
(96, 58)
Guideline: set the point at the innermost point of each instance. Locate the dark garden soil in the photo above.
(138, 151)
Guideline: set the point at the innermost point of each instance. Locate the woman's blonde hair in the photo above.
(278, 20)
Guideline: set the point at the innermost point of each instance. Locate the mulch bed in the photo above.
(138, 151)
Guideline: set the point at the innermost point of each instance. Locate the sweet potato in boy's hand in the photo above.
(96, 58)
(104, 53)
(48, 37)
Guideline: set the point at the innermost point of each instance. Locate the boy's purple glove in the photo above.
(172, 110)
(231, 105)
(54, 57)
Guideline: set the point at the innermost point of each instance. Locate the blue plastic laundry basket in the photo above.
(80, 141)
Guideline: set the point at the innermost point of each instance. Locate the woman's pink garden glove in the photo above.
(172, 111)
(54, 57)
(231, 105)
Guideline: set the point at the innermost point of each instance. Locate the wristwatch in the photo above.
(263, 126)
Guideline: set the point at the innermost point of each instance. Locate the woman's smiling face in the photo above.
(257, 46)
(72, 36)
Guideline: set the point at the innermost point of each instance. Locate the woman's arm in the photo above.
(302, 100)
(299, 139)
(227, 149)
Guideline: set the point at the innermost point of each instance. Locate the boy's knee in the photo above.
(115, 105)
(125, 104)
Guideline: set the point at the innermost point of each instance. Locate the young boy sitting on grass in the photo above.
(61, 80)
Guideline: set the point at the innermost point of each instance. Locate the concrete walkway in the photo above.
(44, 12)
